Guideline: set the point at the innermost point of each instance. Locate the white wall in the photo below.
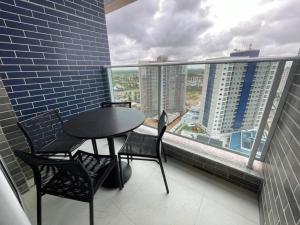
(11, 212)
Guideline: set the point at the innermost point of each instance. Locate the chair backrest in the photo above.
(116, 104)
(162, 124)
(161, 128)
(68, 172)
(42, 129)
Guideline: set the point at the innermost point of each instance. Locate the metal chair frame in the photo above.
(58, 177)
(162, 125)
(33, 147)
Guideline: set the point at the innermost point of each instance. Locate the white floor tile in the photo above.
(213, 213)
(195, 198)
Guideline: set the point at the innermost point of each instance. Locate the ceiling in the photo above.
(112, 5)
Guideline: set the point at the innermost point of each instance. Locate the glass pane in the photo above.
(173, 92)
(188, 83)
(140, 86)
(279, 92)
(217, 104)
(223, 103)
(149, 87)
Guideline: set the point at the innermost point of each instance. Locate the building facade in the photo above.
(235, 94)
(172, 79)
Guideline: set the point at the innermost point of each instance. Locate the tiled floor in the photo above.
(195, 198)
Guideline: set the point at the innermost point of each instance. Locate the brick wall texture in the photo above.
(12, 138)
(280, 197)
(52, 54)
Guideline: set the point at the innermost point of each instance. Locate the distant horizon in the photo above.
(220, 57)
(200, 66)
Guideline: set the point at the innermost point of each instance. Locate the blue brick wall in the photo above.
(52, 54)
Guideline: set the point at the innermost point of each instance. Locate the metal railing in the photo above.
(260, 131)
(211, 61)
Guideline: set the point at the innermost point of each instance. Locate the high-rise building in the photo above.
(173, 86)
(235, 94)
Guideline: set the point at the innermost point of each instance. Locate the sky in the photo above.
(201, 29)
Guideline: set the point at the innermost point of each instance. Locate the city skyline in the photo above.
(228, 118)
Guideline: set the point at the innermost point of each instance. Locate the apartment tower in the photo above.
(171, 78)
(235, 94)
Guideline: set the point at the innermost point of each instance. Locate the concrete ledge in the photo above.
(227, 165)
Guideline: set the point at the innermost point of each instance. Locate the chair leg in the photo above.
(91, 212)
(163, 151)
(163, 174)
(121, 173)
(118, 165)
(39, 207)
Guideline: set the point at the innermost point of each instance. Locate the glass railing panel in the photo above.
(140, 86)
(223, 103)
(219, 104)
(283, 79)
(149, 93)
(184, 89)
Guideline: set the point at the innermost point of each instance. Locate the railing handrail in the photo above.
(211, 61)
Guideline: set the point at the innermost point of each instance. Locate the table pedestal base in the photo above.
(112, 179)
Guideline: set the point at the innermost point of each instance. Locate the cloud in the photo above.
(247, 28)
(213, 44)
(151, 28)
(187, 30)
(275, 32)
(133, 20)
(187, 5)
(177, 26)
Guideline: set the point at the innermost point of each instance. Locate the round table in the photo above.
(106, 123)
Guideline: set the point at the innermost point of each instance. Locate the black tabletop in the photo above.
(104, 122)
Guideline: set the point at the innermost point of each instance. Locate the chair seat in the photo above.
(63, 144)
(95, 165)
(140, 145)
(69, 184)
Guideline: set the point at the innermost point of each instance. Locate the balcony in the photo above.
(232, 139)
(234, 153)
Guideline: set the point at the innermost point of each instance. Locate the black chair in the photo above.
(78, 178)
(128, 105)
(116, 104)
(140, 146)
(45, 134)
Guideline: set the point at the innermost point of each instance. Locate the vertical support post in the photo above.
(264, 119)
(160, 90)
(109, 77)
(281, 103)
